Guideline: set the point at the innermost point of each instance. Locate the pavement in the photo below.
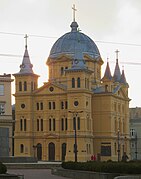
(35, 173)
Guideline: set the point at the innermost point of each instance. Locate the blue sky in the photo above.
(105, 21)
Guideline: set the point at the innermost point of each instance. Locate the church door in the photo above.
(39, 151)
(63, 151)
(51, 151)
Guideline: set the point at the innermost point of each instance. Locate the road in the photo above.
(35, 173)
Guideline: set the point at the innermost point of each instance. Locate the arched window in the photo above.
(25, 86)
(78, 123)
(66, 124)
(73, 82)
(21, 148)
(41, 105)
(53, 124)
(78, 83)
(37, 105)
(20, 86)
(21, 124)
(62, 124)
(37, 124)
(74, 123)
(41, 124)
(49, 105)
(24, 124)
(53, 105)
(49, 124)
(32, 87)
(62, 70)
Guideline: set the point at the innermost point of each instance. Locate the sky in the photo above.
(111, 24)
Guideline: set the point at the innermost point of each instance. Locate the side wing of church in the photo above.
(77, 113)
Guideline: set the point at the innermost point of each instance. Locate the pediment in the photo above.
(50, 88)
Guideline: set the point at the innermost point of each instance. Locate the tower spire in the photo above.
(74, 9)
(26, 36)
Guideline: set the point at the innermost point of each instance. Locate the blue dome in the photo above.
(74, 42)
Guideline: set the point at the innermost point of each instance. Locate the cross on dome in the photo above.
(74, 9)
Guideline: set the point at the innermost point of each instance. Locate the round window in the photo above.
(51, 89)
(22, 105)
(76, 103)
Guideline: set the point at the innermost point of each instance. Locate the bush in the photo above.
(105, 167)
(3, 168)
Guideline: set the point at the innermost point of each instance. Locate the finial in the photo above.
(74, 12)
(117, 51)
(26, 36)
(107, 59)
(123, 68)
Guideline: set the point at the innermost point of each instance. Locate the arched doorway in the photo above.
(39, 151)
(51, 151)
(64, 151)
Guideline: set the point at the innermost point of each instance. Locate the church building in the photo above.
(76, 113)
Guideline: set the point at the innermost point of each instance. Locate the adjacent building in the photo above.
(6, 122)
(77, 113)
(135, 132)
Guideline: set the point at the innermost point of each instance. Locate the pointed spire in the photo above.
(107, 74)
(26, 66)
(117, 73)
(123, 78)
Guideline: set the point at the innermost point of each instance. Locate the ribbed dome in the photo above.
(72, 42)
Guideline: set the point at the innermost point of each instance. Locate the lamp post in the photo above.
(75, 115)
(118, 138)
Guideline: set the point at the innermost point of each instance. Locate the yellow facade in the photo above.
(74, 94)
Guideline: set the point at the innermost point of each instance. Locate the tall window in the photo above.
(62, 124)
(37, 105)
(78, 123)
(132, 132)
(21, 124)
(53, 105)
(66, 124)
(62, 104)
(41, 106)
(49, 124)
(37, 124)
(78, 83)
(41, 124)
(62, 70)
(74, 123)
(25, 86)
(21, 148)
(66, 104)
(73, 82)
(53, 124)
(2, 108)
(24, 124)
(49, 105)
(32, 87)
(1, 89)
(20, 86)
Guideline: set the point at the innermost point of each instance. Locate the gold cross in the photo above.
(74, 12)
(117, 51)
(26, 36)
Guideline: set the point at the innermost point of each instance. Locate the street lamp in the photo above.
(118, 138)
(75, 115)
